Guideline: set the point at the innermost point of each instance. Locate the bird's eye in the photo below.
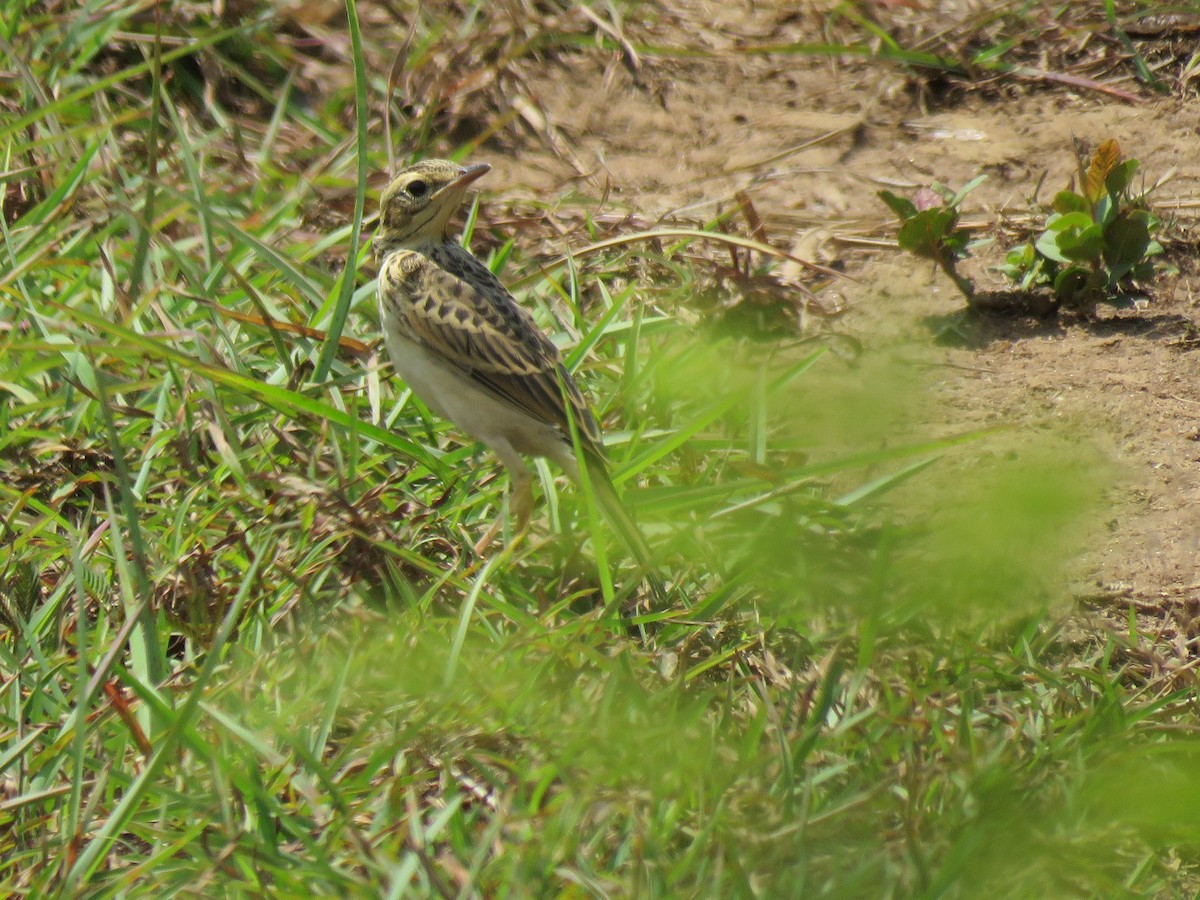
(418, 189)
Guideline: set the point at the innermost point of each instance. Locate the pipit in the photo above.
(472, 353)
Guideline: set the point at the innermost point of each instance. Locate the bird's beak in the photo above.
(469, 174)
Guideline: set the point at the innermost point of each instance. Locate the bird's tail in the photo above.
(623, 522)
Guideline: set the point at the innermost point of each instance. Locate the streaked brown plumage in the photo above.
(470, 351)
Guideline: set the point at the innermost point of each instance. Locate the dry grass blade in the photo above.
(679, 234)
(398, 77)
(352, 345)
(798, 148)
(543, 126)
(1076, 81)
(613, 30)
(758, 230)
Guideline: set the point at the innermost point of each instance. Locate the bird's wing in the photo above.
(460, 311)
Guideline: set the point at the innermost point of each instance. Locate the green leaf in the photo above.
(1075, 220)
(1086, 245)
(1071, 282)
(1143, 271)
(966, 189)
(1069, 202)
(956, 241)
(1070, 238)
(942, 191)
(1125, 244)
(924, 233)
(1047, 246)
(901, 206)
(1022, 256)
(1119, 178)
(1025, 267)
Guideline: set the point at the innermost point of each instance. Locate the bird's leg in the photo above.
(520, 501)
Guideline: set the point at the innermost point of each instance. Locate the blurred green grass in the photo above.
(246, 648)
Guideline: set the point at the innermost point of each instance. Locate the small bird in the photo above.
(472, 353)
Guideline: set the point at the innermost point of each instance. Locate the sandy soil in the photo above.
(812, 140)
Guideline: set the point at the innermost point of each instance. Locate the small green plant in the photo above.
(1098, 242)
(929, 228)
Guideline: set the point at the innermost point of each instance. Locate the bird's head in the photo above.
(416, 207)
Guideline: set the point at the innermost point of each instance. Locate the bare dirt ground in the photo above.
(811, 140)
